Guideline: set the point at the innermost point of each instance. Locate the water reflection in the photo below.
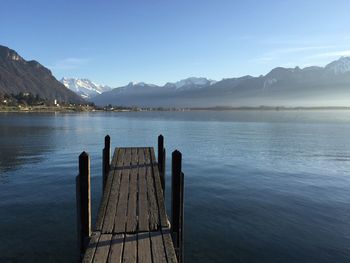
(23, 144)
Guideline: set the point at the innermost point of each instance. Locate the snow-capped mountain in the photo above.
(139, 84)
(191, 82)
(84, 87)
(339, 66)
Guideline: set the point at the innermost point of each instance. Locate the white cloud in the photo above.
(279, 49)
(331, 54)
(279, 53)
(297, 49)
(70, 63)
(305, 40)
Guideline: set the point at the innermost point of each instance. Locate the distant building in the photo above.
(55, 103)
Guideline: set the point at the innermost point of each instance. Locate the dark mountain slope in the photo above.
(18, 75)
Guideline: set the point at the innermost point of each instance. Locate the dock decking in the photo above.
(132, 224)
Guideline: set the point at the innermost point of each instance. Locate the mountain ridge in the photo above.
(280, 86)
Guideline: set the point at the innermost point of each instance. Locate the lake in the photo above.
(260, 186)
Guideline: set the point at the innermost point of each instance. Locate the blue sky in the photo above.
(115, 42)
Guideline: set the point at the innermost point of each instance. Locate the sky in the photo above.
(115, 42)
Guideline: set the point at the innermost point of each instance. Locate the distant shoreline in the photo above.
(79, 109)
(48, 109)
(271, 108)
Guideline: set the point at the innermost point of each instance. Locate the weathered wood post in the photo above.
(177, 208)
(161, 161)
(83, 197)
(181, 230)
(106, 152)
(163, 167)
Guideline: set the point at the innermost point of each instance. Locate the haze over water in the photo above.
(261, 186)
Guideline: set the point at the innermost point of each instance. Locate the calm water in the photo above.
(260, 186)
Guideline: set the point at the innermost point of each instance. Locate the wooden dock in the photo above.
(132, 224)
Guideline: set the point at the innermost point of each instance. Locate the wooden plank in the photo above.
(102, 250)
(120, 218)
(143, 199)
(158, 252)
(114, 161)
(144, 254)
(130, 246)
(116, 250)
(147, 156)
(152, 201)
(159, 190)
(106, 193)
(169, 246)
(132, 203)
(90, 250)
(131, 221)
(109, 219)
(104, 201)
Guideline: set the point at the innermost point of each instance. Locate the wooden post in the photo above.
(177, 208)
(181, 230)
(163, 166)
(161, 161)
(79, 236)
(106, 152)
(83, 202)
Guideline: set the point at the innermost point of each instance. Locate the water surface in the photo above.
(261, 186)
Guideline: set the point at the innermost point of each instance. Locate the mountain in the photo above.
(190, 83)
(18, 75)
(84, 87)
(310, 86)
(339, 66)
(143, 94)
